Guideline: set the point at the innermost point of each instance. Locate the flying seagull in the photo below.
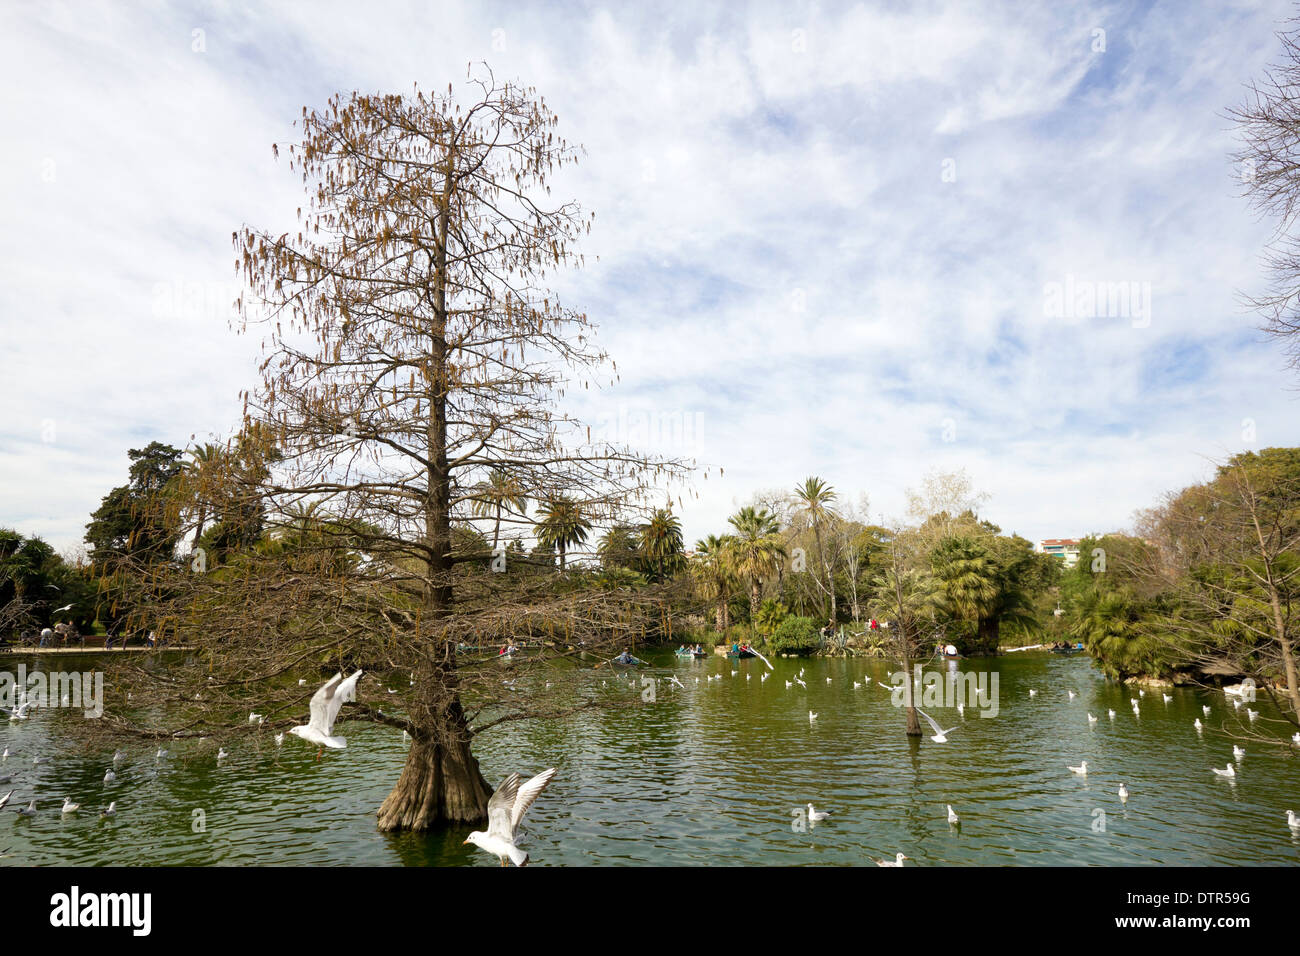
(506, 811)
(940, 735)
(325, 706)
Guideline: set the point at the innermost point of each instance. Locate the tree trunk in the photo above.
(720, 617)
(913, 721)
(988, 635)
(440, 783)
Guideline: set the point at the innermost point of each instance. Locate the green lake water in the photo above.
(708, 774)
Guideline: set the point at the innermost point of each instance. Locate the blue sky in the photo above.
(824, 234)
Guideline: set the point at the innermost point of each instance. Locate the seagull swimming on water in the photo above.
(1198, 725)
(1292, 820)
(5, 799)
(1227, 772)
(896, 861)
(811, 716)
(28, 811)
(952, 815)
(325, 706)
(1123, 793)
(69, 806)
(1082, 769)
(817, 816)
(506, 811)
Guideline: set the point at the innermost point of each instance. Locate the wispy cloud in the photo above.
(824, 233)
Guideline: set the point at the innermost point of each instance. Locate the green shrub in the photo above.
(795, 635)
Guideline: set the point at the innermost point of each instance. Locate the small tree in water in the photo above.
(414, 356)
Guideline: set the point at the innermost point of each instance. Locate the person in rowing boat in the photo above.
(625, 658)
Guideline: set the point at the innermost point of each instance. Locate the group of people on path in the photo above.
(63, 634)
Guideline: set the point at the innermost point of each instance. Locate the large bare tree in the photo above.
(414, 353)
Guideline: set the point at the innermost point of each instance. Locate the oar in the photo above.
(763, 659)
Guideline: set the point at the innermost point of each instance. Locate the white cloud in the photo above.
(779, 254)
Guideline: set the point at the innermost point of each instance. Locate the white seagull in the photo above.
(1071, 693)
(1091, 719)
(896, 861)
(1198, 725)
(1033, 693)
(817, 816)
(940, 735)
(1206, 710)
(69, 806)
(325, 706)
(1123, 793)
(1111, 713)
(1238, 752)
(952, 815)
(109, 776)
(5, 799)
(109, 810)
(1227, 772)
(1292, 820)
(506, 811)
(1082, 769)
(811, 716)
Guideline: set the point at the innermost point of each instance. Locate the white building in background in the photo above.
(1067, 549)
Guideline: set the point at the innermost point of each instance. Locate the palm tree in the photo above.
(618, 548)
(500, 493)
(562, 525)
(816, 497)
(203, 458)
(757, 549)
(713, 571)
(661, 542)
(969, 576)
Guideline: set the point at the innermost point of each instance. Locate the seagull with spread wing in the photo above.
(506, 811)
(325, 706)
(940, 735)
